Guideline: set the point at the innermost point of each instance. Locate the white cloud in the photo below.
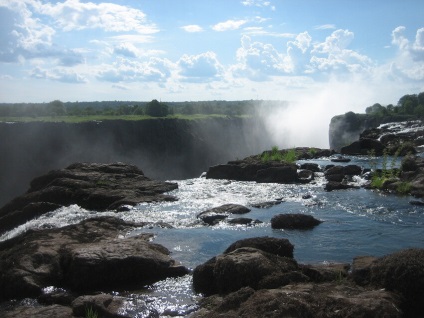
(75, 15)
(58, 74)
(126, 49)
(325, 27)
(228, 25)
(336, 42)
(409, 62)
(124, 70)
(258, 61)
(192, 28)
(257, 3)
(204, 67)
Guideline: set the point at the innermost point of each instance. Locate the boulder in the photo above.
(84, 257)
(281, 174)
(328, 300)
(272, 245)
(243, 221)
(363, 147)
(305, 176)
(333, 185)
(295, 221)
(217, 214)
(310, 166)
(52, 311)
(92, 186)
(267, 204)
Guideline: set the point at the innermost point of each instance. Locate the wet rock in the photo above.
(103, 304)
(53, 311)
(363, 147)
(310, 166)
(243, 267)
(244, 221)
(84, 257)
(333, 185)
(340, 159)
(282, 174)
(266, 205)
(305, 176)
(338, 173)
(272, 245)
(329, 300)
(217, 214)
(402, 272)
(92, 186)
(296, 221)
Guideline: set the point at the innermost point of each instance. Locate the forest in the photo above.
(153, 108)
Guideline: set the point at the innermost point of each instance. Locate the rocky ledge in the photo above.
(256, 168)
(92, 186)
(258, 277)
(83, 258)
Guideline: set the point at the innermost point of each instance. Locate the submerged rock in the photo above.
(92, 186)
(296, 221)
(217, 214)
(88, 256)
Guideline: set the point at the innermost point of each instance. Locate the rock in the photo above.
(338, 173)
(217, 214)
(92, 186)
(310, 166)
(272, 245)
(53, 311)
(361, 269)
(244, 221)
(329, 300)
(417, 202)
(243, 267)
(266, 205)
(363, 147)
(294, 221)
(103, 304)
(340, 159)
(333, 185)
(305, 176)
(84, 257)
(283, 174)
(402, 272)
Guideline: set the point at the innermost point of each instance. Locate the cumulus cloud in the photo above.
(126, 49)
(258, 61)
(258, 3)
(409, 63)
(58, 74)
(124, 70)
(204, 67)
(228, 25)
(192, 28)
(75, 15)
(332, 55)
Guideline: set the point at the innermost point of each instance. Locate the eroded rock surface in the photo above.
(85, 257)
(92, 186)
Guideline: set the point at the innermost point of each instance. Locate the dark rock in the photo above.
(409, 163)
(242, 267)
(283, 174)
(338, 173)
(331, 272)
(361, 269)
(363, 147)
(294, 221)
(92, 186)
(340, 159)
(103, 304)
(266, 205)
(272, 245)
(53, 311)
(84, 257)
(244, 221)
(328, 300)
(333, 185)
(402, 272)
(310, 166)
(417, 202)
(217, 214)
(305, 176)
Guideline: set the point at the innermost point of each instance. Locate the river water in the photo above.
(356, 222)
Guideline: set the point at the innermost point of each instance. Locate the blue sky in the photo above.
(340, 54)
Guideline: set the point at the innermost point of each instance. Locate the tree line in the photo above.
(412, 104)
(153, 108)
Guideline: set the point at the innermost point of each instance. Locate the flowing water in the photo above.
(356, 222)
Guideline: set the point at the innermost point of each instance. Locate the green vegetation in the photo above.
(58, 111)
(404, 188)
(91, 313)
(275, 154)
(412, 104)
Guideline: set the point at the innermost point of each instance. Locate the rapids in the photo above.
(356, 222)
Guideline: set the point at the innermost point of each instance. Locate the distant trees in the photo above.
(411, 104)
(156, 109)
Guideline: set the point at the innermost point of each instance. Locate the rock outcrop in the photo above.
(250, 280)
(92, 186)
(85, 257)
(295, 221)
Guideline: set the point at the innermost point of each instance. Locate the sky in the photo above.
(326, 55)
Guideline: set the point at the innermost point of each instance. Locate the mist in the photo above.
(304, 121)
